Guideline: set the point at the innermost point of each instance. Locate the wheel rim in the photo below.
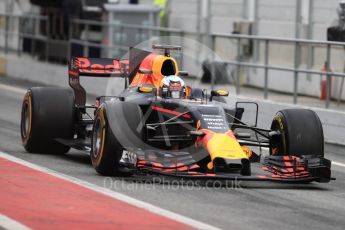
(26, 120)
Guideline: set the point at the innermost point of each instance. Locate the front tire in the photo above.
(300, 131)
(106, 151)
(115, 129)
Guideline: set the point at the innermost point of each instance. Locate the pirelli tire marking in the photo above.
(281, 126)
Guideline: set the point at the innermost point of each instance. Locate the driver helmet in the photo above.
(173, 87)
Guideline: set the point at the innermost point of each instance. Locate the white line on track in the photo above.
(8, 223)
(12, 89)
(119, 196)
(338, 164)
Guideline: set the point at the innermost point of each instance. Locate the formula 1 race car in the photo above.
(159, 125)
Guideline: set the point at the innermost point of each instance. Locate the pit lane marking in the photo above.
(8, 223)
(338, 164)
(13, 89)
(116, 195)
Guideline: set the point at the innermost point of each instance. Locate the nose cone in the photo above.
(224, 150)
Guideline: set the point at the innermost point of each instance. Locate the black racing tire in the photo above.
(106, 151)
(47, 113)
(114, 130)
(301, 133)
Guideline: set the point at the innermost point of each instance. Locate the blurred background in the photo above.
(281, 50)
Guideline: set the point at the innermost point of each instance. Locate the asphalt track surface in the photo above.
(241, 206)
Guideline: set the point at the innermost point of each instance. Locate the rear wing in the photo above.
(93, 67)
(97, 67)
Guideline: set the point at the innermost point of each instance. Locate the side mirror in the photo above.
(219, 93)
(147, 89)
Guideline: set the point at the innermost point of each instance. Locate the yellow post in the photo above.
(3, 64)
(162, 5)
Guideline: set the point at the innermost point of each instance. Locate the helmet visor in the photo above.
(175, 89)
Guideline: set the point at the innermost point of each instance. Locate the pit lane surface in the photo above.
(243, 206)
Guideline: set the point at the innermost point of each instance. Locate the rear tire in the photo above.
(47, 113)
(301, 133)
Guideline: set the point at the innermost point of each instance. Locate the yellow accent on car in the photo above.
(223, 93)
(103, 124)
(158, 62)
(247, 150)
(223, 146)
(145, 89)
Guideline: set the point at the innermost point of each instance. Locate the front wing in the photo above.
(290, 169)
